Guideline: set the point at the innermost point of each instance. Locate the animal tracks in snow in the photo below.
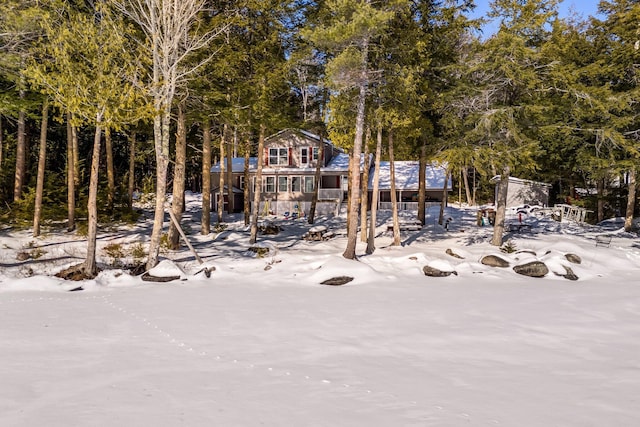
(412, 409)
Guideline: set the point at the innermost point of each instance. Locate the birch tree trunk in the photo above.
(42, 158)
(371, 247)
(71, 174)
(205, 227)
(111, 179)
(90, 268)
(501, 207)
(257, 190)
(631, 201)
(394, 196)
(177, 199)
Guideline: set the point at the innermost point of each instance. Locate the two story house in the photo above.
(288, 176)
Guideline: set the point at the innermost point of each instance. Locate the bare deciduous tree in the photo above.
(173, 30)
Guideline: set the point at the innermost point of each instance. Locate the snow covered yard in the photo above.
(261, 342)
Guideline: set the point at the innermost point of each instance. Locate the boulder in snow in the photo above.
(532, 269)
(494, 261)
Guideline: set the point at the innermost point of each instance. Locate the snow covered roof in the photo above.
(340, 163)
(237, 164)
(407, 176)
(496, 179)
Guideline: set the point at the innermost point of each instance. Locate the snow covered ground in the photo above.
(262, 342)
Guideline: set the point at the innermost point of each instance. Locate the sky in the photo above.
(262, 342)
(584, 8)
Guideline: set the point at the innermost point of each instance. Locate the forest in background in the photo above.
(101, 99)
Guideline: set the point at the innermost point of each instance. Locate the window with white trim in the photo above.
(308, 184)
(241, 182)
(304, 155)
(278, 156)
(316, 153)
(269, 184)
(283, 184)
(295, 184)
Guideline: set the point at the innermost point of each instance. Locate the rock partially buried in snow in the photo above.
(494, 261)
(532, 269)
(165, 271)
(453, 254)
(434, 272)
(570, 274)
(573, 258)
(337, 281)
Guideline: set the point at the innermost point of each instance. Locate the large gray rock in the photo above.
(494, 261)
(434, 272)
(573, 258)
(532, 269)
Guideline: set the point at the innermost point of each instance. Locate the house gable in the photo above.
(293, 148)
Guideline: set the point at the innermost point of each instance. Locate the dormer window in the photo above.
(279, 156)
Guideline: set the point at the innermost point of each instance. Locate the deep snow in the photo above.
(261, 342)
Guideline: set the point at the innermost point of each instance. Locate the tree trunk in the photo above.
(161, 125)
(222, 175)
(422, 190)
(177, 199)
(394, 196)
(111, 179)
(205, 227)
(317, 177)
(600, 190)
(1, 143)
(90, 268)
(42, 158)
(21, 155)
(257, 189)
(132, 168)
(71, 177)
(631, 201)
(365, 192)
(247, 182)
(227, 140)
(443, 202)
(465, 179)
(375, 196)
(501, 207)
(352, 218)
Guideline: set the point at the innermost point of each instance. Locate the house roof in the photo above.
(407, 176)
(496, 179)
(305, 133)
(237, 164)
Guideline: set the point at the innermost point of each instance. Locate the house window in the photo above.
(295, 184)
(283, 184)
(241, 182)
(316, 153)
(304, 155)
(278, 156)
(269, 184)
(308, 184)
